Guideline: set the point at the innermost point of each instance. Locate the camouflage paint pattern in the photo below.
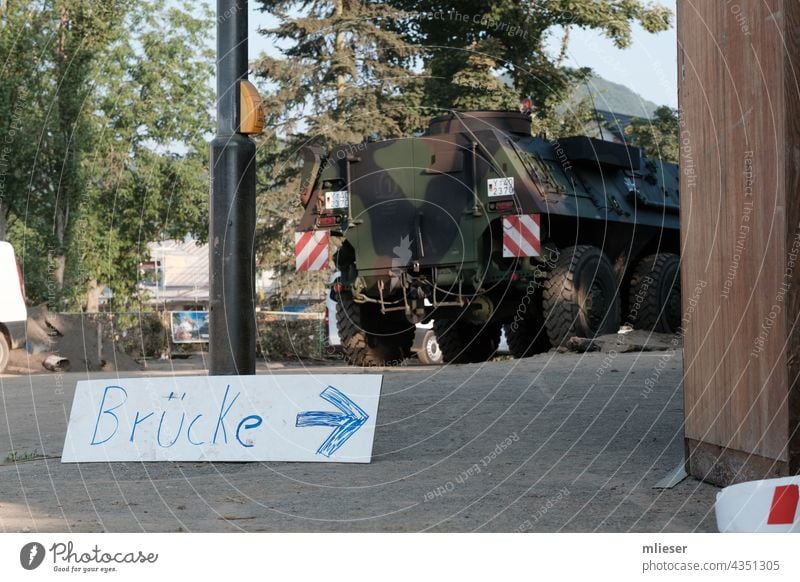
(421, 205)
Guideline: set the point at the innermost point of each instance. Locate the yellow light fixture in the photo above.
(251, 110)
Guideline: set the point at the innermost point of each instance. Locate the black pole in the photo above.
(233, 208)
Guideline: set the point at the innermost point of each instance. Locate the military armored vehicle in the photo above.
(478, 224)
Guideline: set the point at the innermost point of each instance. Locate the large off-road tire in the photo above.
(581, 295)
(463, 343)
(430, 353)
(5, 352)
(370, 338)
(654, 302)
(526, 338)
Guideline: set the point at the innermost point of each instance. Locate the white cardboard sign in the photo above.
(327, 418)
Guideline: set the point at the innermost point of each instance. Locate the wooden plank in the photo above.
(792, 90)
(739, 214)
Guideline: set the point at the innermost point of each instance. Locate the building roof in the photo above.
(183, 272)
(611, 126)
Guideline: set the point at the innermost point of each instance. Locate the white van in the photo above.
(13, 313)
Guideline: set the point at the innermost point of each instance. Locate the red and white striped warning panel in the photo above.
(760, 506)
(311, 250)
(521, 236)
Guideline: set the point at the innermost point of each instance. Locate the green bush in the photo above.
(281, 339)
(138, 335)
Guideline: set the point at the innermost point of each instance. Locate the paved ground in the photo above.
(557, 442)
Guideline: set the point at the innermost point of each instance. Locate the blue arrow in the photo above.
(347, 422)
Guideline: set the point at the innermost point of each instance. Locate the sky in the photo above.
(648, 66)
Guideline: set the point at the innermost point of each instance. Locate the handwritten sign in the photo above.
(327, 418)
(769, 505)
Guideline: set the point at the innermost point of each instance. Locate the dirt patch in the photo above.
(72, 337)
(633, 341)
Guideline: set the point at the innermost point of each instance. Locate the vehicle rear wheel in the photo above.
(430, 353)
(5, 352)
(370, 338)
(526, 338)
(581, 295)
(655, 294)
(463, 343)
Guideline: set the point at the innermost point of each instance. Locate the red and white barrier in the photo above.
(311, 250)
(521, 236)
(760, 506)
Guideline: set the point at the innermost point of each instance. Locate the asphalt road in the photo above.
(557, 442)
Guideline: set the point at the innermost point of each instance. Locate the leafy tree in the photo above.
(83, 31)
(149, 160)
(122, 104)
(343, 75)
(659, 136)
(22, 30)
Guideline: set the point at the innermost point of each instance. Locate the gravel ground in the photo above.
(557, 442)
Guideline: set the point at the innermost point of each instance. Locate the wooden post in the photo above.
(739, 95)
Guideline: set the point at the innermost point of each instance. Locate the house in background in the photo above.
(610, 126)
(176, 277)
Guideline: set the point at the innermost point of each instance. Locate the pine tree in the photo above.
(463, 41)
(344, 75)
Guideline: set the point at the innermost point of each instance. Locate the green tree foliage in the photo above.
(658, 136)
(467, 43)
(343, 76)
(149, 162)
(350, 70)
(118, 120)
(22, 81)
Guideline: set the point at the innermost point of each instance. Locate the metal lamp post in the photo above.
(232, 338)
